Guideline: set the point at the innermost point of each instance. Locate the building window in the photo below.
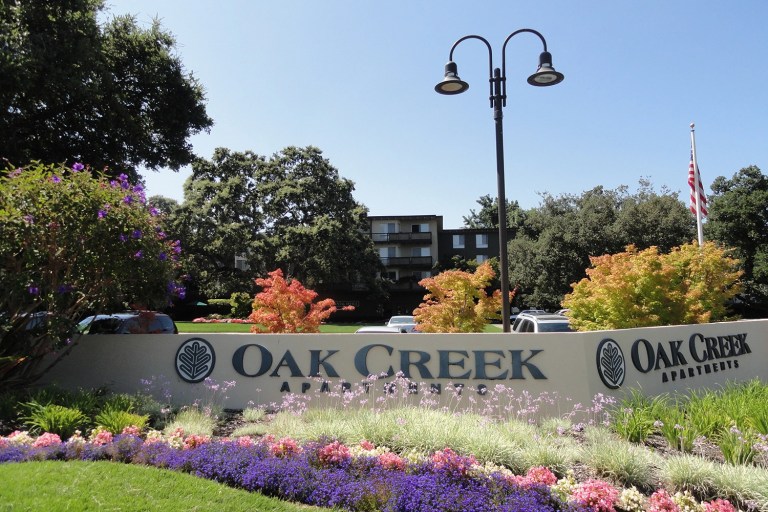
(386, 253)
(390, 227)
(458, 241)
(419, 228)
(241, 263)
(420, 251)
(481, 241)
(481, 258)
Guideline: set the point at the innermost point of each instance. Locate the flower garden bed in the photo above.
(360, 477)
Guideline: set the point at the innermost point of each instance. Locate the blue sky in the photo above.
(356, 78)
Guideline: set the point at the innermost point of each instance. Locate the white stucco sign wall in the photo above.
(266, 367)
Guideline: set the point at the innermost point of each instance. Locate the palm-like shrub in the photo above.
(55, 419)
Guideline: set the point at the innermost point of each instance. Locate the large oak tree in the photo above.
(113, 95)
(738, 218)
(291, 211)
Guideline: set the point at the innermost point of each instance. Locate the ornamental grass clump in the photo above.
(619, 460)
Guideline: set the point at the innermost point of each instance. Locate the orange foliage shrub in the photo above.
(283, 307)
(457, 301)
(689, 285)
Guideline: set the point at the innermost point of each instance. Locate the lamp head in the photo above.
(451, 84)
(546, 74)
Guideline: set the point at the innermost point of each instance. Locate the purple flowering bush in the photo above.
(71, 241)
(328, 473)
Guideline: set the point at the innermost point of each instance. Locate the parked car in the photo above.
(527, 322)
(407, 322)
(514, 316)
(380, 329)
(563, 312)
(129, 322)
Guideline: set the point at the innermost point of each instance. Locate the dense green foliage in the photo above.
(71, 90)
(738, 218)
(71, 244)
(734, 417)
(57, 419)
(487, 216)
(291, 211)
(553, 247)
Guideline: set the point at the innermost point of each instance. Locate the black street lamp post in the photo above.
(544, 76)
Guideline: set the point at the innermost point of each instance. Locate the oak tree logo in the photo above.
(195, 360)
(610, 363)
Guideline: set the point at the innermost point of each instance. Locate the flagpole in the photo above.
(696, 185)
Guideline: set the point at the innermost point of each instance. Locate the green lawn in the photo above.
(99, 486)
(190, 327)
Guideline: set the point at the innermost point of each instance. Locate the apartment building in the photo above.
(407, 245)
(412, 247)
(469, 244)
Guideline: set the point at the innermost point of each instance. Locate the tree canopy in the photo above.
(553, 247)
(738, 217)
(487, 217)
(114, 96)
(291, 211)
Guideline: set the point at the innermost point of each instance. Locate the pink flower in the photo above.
(102, 437)
(194, 440)
(367, 445)
(596, 495)
(718, 505)
(245, 441)
(284, 447)
(391, 461)
(661, 501)
(520, 480)
(333, 453)
(541, 475)
(47, 439)
(451, 460)
(132, 430)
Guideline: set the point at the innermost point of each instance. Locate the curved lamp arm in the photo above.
(490, 59)
(504, 58)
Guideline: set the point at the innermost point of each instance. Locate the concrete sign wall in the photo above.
(268, 367)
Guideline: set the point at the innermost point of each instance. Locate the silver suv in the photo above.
(526, 322)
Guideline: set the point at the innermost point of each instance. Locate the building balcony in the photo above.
(408, 261)
(402, 238)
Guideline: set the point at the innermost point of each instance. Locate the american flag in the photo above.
(693, 174)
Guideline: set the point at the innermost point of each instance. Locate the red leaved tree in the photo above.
(284, 306)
